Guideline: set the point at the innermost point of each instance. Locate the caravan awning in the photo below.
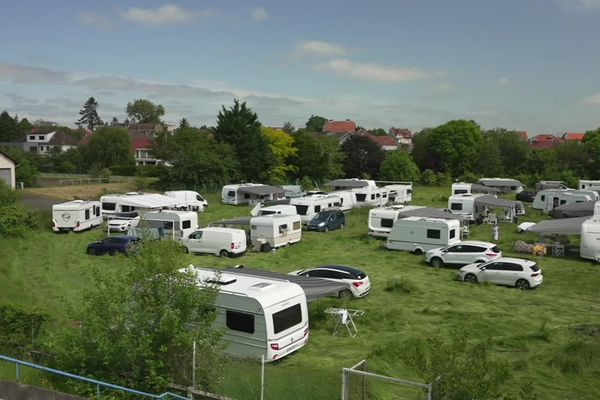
(233, 221)
(499, 182)
(261, 190)
(347, 183)
(491, 201)
(314, 288)
(475, 188)
(565, 226)
(574, 210)
(150, 201)
(427, 212)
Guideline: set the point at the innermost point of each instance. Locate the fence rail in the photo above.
(82, 179)
(99, 384)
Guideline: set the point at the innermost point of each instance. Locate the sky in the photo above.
(518, 64)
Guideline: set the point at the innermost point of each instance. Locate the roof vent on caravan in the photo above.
(260, 287)
(221, 283)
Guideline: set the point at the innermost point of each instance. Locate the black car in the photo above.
(526, 196)
(114, 245)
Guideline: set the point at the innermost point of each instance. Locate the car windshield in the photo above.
(321, 216)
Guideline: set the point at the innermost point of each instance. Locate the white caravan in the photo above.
(76, 215)
(590, 236)
(382, 219)
(371, 196)
(464, 204)
(259, 316)
(224, 242)
(169, 224)
(307, 207)
(251, 193)
(283, 209)
(418, 234)
(191, 200)
(347, 199)
(589, 185)
(548, 200)
(114, 204)
(400, 193)
(230, 194)
(272, 231)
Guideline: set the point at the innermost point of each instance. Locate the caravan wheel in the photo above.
(418, 252)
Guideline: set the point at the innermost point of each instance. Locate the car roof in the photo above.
(343, 268)
(475, 242)
(123, 238)
(515, 260)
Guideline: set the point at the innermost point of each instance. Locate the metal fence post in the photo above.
(262, 377)
(98, 390)
(17, 372)
(344, 384)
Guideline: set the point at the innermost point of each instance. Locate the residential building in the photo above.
(340, 127)
(148, 129)
(403, 136)
(386, 143)
(573, 137)
(7, 169)
(544, 141)
(42, 142)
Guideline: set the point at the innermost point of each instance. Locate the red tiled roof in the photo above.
(570, 136)
(141, 142)
(340, 127)
(401, 132)
(383, 140)
(544, 142)
(62, 139)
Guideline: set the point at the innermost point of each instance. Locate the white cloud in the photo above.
(259, 14)
(592, 100)
(24, 74)
(579, 3)
(321, 48)
(442, 88)
(89, 18)
(375, 72)
(503, 82)
(164, 15)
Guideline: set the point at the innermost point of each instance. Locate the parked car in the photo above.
(327, 220)
(526, 196)
(224, 242)
(122, 224)
(522, 274)
(358, 282)
(463, 253)
(114, 245)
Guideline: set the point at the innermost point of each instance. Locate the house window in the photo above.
(433, 234)
(32, 137)
(40, 138)
(238, 321)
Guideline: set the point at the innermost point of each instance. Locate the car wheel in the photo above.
(437, 262)
(224, 253)
(522, 284)
(91, 252)
(185, 250)
(326, 229)
(470, 278)
(113, 252)
(418, 252)
(345, 294)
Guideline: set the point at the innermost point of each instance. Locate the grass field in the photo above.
(534, 331)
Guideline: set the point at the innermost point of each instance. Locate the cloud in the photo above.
(259, 14)
(89, 18)
(168, 14)
(442, 88)
(24, 74)
(503, 82)
(587, 4)
(321, 48)
(592, 100)
(375, 72)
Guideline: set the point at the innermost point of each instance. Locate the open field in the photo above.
(88, 192)
(531, 330)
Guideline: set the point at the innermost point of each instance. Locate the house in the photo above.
(386, 143)
(403, 136)
(541, 142)
(570, 137)
(7, 169)
(148, 129)
(42, 142)
(340, 127)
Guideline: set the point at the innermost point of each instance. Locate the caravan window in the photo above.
(317, 209)
(543, 198)
(238, 321)
(297, 225)
(283, 228)
(452, 233)
(231, 193)
(97, 211)
(109, 206)
(433, 234)
(186, 224)
(301, 210)
(287, 318)
(387, 223)
(361, 197)
(87, 214)
(456, 206)
(127, 208)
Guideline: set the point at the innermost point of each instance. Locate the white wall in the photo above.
(7, 165)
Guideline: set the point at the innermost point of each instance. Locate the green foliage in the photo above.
(455, 146)
(363, 157)
(89, 115)
(9, 129)
(7, 195)
(26, 171)
(591, 142)
(138, 326)
(282, 147)
(307, 183)
(489, 159)
(19, 327)
(420, 153)
(427, 178)
(379, 132)
(109, 146)
(15, 221)
(144, 111)
(318, 157)
(398, 166)
(288, 128)
(315, 123)
(514, 151)
(142, 183)
(239, 127)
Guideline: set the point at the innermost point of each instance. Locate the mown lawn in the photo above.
(533, 331)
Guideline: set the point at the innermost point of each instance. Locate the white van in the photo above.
(418, 234)
(76, 215)
(307, 207)
(275, 230)
(224, 242)
(190, 200)
(259, 316)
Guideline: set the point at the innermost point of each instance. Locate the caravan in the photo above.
(382, 219)
(464, 204)
(190, 200)
(260, 317)
(347, 199)
(589, 185)
(371, 196)
(307, 207)
(282, 209)
(504, 185)
(76, 215)
(548, 200)
(400, 193)
(590, 236)
(272, 231)
(115, 204)
(251, 193)
(169, 224)
(418, 234)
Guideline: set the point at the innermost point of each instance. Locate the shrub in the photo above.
(7, 195)
(19, 327)
(14, 220)
(427, 178)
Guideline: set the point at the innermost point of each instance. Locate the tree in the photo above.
(109, 147)
(184, 123)
(288, 127)
(144, 111)
(456, 146)
(318, 157)
(138, 326)
(282, 147)
(398, 166)
(591, 142)
(379, 132)
(24, 126)
(513, 150)
(316, 123)
(489, 160)
(9, 130)
(26, 171)
(420, 153)
(89, 114)
(363, 157)
(239, 126)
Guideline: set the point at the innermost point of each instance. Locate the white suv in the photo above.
(462, 253)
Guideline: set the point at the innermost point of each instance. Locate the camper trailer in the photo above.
(259, 316)
(382, 219)
(307, 207)
(347, 199)
(544, 185)
(350, 183)
(589, 185)
(115, 204)
(418, 234)
(504, 185)
(251, 193)
(190, 200)
(400, 193)
(283, 209)
(371, 196)
(590, 236)
(76, 215)
(168, 224)
(272, 231)
(464, 204)
(472, 188)
(548, 200)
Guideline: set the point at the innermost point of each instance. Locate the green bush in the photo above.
(14, 220)
(7, 195)
(19, 327)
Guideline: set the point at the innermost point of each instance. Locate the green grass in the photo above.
(533, 331)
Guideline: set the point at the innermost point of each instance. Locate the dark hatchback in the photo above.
(114, 245)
